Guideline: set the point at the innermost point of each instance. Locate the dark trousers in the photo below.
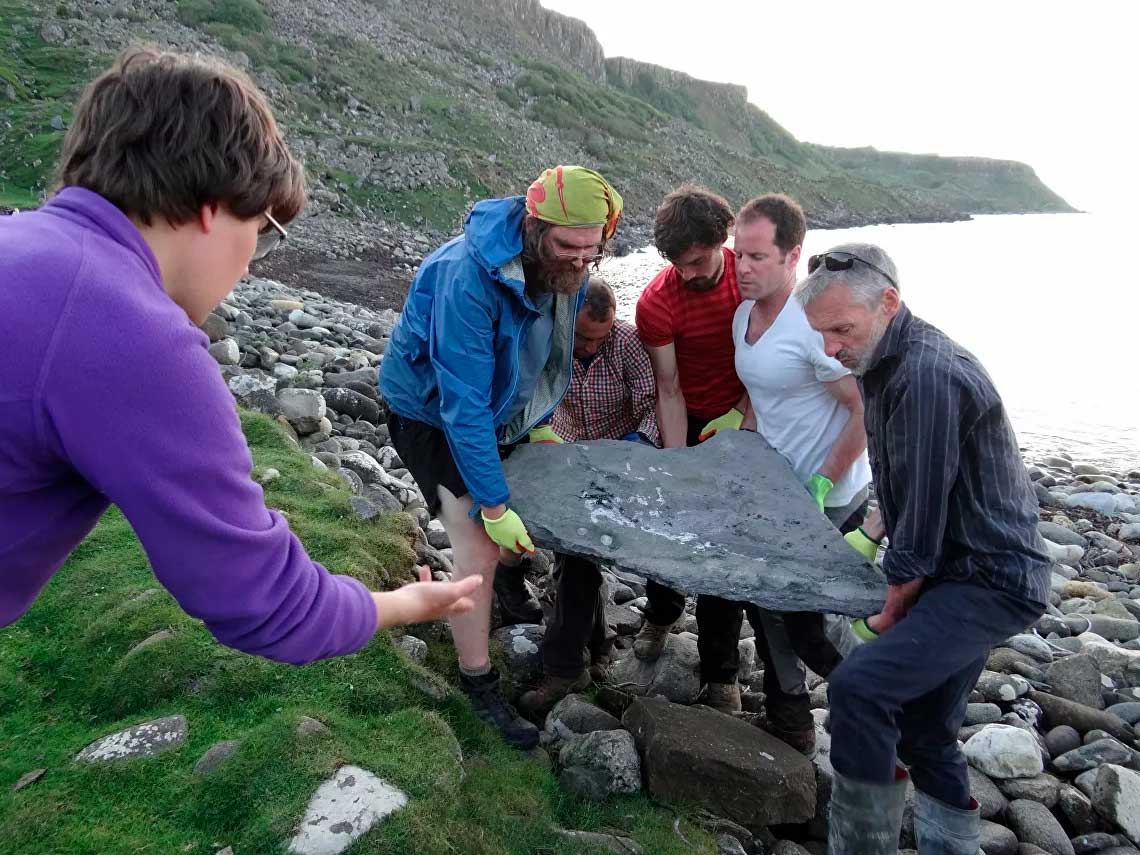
(719, 623)
(665, 605)
(577, 631)
(904, 694)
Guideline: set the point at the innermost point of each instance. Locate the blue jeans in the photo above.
(903, 696)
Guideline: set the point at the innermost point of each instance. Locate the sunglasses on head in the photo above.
(271, 236)
(829, 261)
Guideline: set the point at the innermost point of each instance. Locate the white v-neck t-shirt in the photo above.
(784, 373)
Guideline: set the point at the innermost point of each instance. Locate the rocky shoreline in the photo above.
(1051, 729)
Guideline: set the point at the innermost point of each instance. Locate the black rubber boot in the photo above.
(516, 605)
(865, 818)
(490, 705)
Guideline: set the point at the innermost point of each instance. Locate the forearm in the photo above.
(672, 420)
(851, 442)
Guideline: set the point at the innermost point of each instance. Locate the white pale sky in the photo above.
(1053, 84)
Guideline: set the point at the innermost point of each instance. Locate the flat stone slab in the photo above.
(727, 517)
(142, 740)
(342, 809)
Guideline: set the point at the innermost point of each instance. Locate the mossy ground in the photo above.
(67, 677)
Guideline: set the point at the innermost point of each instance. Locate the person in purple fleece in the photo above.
(174, 177)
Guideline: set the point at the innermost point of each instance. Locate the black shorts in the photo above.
(425, 452)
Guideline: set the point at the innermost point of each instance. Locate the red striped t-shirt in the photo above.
(699, 326)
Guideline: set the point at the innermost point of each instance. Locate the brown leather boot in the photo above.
(801, 740)
(723, 697)
(536, 703)
(650, 641)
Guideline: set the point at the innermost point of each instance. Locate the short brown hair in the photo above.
(162, 134)
(600, 302)
(691, 216)
(785, 214)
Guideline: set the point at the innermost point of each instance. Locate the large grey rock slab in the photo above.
(143, 740)
(342, 809)
(727, 518)
(1116, 795)
(699, 756)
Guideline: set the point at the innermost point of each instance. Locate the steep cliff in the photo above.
(408, 110)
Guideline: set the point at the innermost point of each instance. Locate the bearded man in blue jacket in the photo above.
(479, 359)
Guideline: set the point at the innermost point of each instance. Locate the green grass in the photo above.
(67, 677)
(46, 80)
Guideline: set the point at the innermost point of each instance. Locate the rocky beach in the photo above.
(1052, 725)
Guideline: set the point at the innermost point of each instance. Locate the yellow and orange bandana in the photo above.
(575, 196)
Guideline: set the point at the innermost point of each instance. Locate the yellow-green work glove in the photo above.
(508, 532)
(863, 632)
(543, 434)
(862, 544)
(732, 420)
(819, 486)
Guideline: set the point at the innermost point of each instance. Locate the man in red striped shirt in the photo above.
(684, 318)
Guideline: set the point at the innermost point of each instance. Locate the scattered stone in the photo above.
(1001, 751)
(982, 714)
(610, 755)
(594, 841)
(1080, 717)
(574, 714)
(1044, 789)
(1077, 809)
(310, 726)
(1092, 755)
(1033, 823)
(674, 675)
(522, 646)
(27, 779)
(352, 403)
(1077, 679)
(225, 352)
(997, 839)
(997, 687)
(990, 798)
(1116, 796)
(303, 408)
(143, 740)
(697, 755)
(342, 809)
(414, 648)
(215, 327)
(1061, 739)
(216, 755)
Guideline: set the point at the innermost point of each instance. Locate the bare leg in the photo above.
(474, 552)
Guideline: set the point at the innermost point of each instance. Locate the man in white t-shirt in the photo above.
(808, 407)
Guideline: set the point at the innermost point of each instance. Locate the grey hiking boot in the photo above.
(723, 697)
(865, 818)
(942, 829)
(489, 704)
(516, 605)
(650, 641)
(536, 703)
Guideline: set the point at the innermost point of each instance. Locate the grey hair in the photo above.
(867, 284)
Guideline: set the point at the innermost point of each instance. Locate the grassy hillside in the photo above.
(409, 111)
(68, 676)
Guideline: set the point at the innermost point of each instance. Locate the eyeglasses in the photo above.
(271, 236)
(828, 260)
(594, 256)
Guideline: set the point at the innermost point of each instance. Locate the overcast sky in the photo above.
(1052, 84)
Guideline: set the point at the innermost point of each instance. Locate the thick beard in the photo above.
(560, 281)
(878, 329)
(705, 283)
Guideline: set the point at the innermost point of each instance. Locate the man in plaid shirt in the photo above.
(612, 392)
(612, 396)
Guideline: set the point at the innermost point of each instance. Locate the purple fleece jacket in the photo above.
(107, 394)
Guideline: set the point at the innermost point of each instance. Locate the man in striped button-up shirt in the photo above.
(966, 567)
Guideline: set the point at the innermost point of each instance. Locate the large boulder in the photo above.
(1077, 678)
(1116, 796)
(304, 409)
(1002, 751)
(700, 756)
(728, 518)
(1034, 823)
(607, 763)
(674, 675)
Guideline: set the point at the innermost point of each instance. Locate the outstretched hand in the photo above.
(425, 600)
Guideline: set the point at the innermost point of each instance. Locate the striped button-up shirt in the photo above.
(612, 396)
(956, 499)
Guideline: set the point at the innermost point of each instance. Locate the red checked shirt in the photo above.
(613, 396)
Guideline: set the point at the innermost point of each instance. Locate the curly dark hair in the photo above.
(691, 216)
